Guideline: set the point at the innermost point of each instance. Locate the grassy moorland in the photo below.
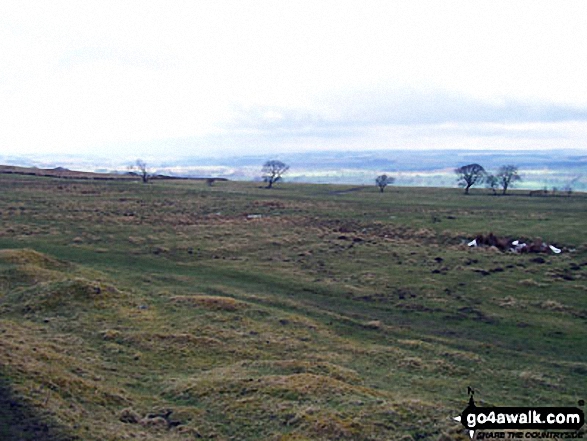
(177, 311)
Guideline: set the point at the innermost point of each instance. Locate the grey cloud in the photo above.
(440, 107)
(360, 111)
(277, 121)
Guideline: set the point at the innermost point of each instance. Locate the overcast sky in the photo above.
(209, 78)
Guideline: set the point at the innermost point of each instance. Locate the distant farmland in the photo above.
(427, 168)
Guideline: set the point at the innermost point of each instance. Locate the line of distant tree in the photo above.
(468, 176)
(272, 172)
(474, 174)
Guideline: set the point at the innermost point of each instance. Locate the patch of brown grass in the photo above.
(47, 295)
(30, 257)
(216, 303)
(27, 274)
(532, 283)
(553, 305)
(509, 302)
(296, 366)
(55, 374)
(533, 378)
(179, 344)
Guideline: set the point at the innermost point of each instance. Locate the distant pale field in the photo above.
(539, 169)
(532, 179)
(178, 311)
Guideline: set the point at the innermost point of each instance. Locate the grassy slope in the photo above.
(334, 315)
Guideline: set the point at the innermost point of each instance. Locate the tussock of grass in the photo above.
(162, 341)
(532, 377)
(532, 283)
(246, 393)
(26, 275)
(25, 267)
(296, 366)
(508, 302)
(553, 305)
(319, 387)
(31, 257)
(55, 376)
(62, 293)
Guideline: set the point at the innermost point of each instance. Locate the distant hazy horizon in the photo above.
(435, 168)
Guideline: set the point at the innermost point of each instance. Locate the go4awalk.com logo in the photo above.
(547, 421)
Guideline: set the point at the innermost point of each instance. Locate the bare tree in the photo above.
(469, 175)
(141, 169)
(273, 171)
(383, 181)
(568, 190)
(507, 175)
(569, 187)
(492, 182)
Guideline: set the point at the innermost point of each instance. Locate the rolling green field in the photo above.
(177, 311)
